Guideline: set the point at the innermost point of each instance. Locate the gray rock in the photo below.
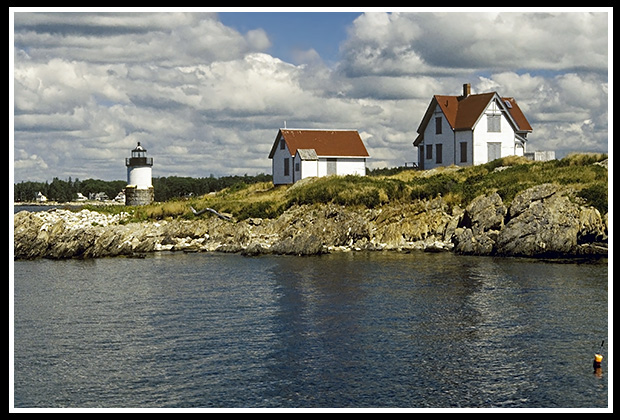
(478, 227)
(484, 213)
(301, 244)
(546, 222)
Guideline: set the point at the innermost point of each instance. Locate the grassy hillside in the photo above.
(458, 186)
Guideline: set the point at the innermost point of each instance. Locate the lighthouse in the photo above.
(139, 189)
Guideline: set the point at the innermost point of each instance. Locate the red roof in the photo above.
(324, 142)
(462, 112)
(517, 114)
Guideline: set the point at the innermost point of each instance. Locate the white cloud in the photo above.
(569, 111)
(257, 39)
(166, 39)
(440, 43)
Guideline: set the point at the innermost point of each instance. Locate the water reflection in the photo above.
(346, 330)
(319, 331)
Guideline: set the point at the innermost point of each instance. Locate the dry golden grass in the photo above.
(457, 186)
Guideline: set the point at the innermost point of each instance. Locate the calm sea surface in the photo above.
(344, 330)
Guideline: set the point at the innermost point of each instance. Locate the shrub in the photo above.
(350, 190)
(596, 196)
(431, 187)
(582, 159)
(259, 209)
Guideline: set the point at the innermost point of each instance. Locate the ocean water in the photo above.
(378, 329)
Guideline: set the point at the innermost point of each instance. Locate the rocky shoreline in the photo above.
(543, 221)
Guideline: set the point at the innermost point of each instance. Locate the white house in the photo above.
(303, 153)
(40, 198)
(470, 130)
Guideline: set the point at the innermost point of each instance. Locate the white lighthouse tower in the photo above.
(139, 189)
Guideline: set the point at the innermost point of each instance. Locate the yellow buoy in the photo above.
(598, 358)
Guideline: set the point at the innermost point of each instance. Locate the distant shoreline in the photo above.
(66, 203)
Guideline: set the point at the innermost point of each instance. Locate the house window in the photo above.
(494, 151)
(332, 166)
(438, 125)
(429, 151)
(494, 123)
(282, 144)
(286, 167)
(438, 153)
(463, 151)
(297, 167)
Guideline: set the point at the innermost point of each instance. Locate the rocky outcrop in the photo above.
(542, 221)
(545, 221)
(480, 225)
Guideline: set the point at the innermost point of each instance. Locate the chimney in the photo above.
(466, 90)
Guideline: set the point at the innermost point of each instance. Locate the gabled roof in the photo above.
(335, 143)
(462, 112)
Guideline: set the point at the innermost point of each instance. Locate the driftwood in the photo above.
(218, 214)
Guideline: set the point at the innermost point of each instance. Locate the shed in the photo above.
(303, 153)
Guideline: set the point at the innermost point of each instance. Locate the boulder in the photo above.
(301, 244)
(479, 226)
(466, 242)
(545, 221)
(484, 213)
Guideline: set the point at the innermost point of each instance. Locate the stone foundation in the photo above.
(138, 196)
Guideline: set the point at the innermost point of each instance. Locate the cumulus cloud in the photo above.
(568, 111)
(206, 99)
(440, 43)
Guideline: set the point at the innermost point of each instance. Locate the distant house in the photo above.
(100, 196)
(303, 153)
(40, 198)
(470, 129)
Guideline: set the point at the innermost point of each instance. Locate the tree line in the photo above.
(165, 188)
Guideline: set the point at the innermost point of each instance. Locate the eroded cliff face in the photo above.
(542, 221)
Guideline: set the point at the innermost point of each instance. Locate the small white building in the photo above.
(541, 155)
(40, 198)
(470, 129)
(303, 153)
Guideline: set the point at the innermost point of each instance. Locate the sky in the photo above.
(206, 90)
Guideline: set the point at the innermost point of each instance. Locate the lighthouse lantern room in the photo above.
(139, 189)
